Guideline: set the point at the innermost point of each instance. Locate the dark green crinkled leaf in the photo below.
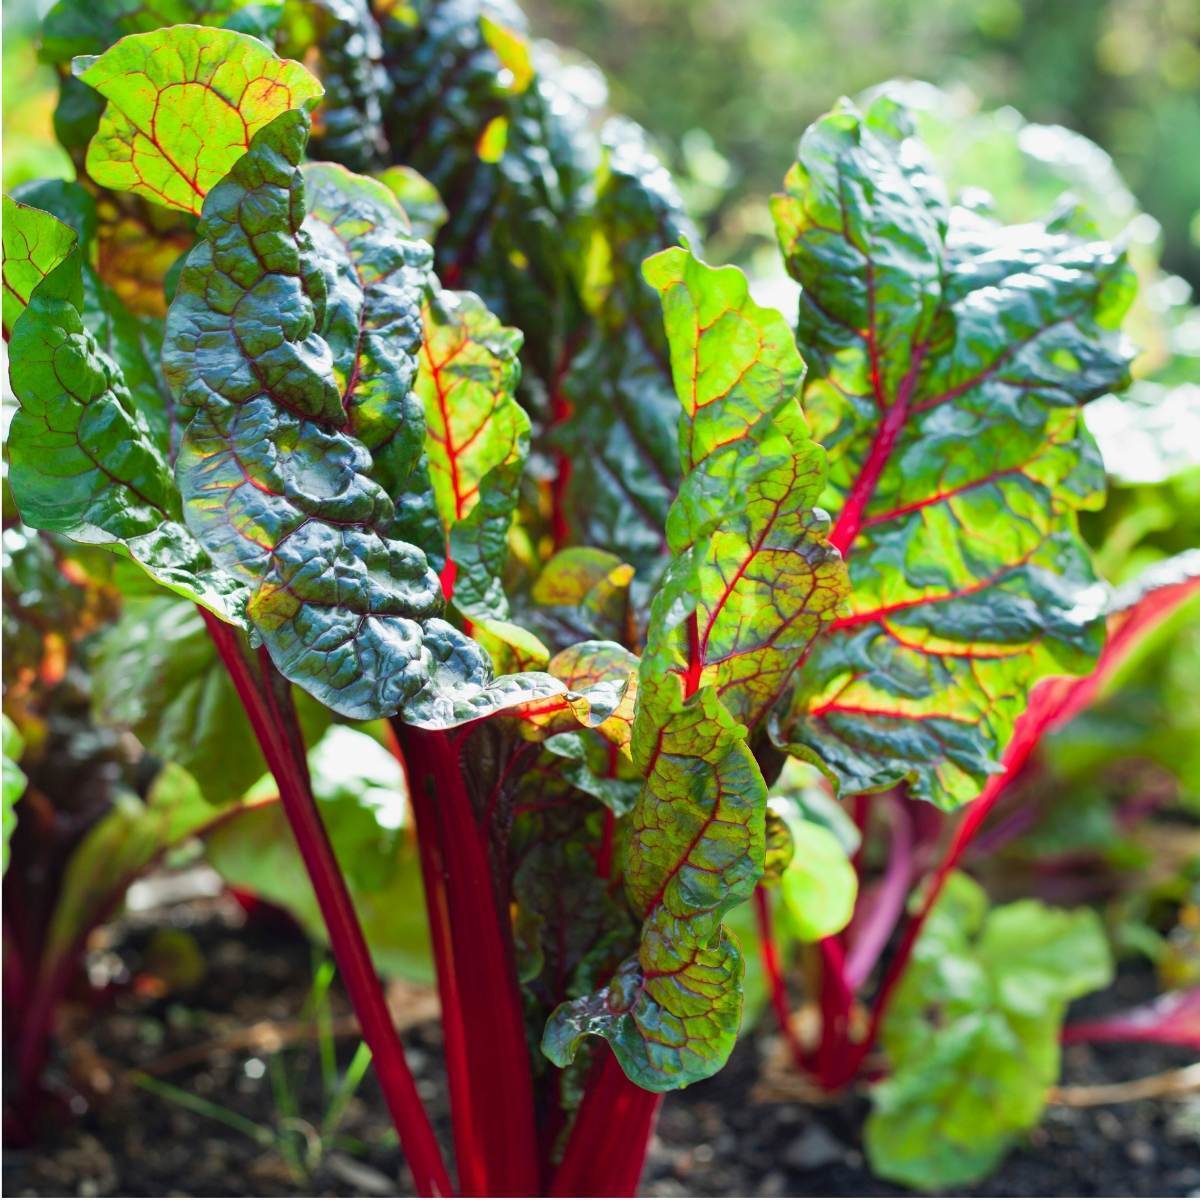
(696, 842)
(376, 276)
(133, 342)
(620, 435)
(277, 477)
(83, 460)
(948, 358)
(340, 40)
(973, 1033)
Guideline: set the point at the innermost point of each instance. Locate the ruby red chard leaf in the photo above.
(696, 843)
(183, 105)
(83, 461)
(948, 358)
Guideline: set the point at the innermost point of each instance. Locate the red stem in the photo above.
(607, 1148)
(1173, 1019)
(487, 1057)
(775, 980)
(871, 934)
(835, 1064)
(267, 705)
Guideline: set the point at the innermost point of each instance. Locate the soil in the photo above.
(214, 1033)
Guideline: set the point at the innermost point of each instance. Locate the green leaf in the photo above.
(744, 525)
(340, 39)
(973, 1033)
(83, 461)
(619, 434)
(583, 593)
(820, 886)
(671, 1012)
(117, 849)
(156, 671)
(419, 199)
(184, 104)
(948, 359)
(477, 441)
(74, 27)
(14, 781)
(751, 583)
(276, 469)
(361, 793)
(34, 244)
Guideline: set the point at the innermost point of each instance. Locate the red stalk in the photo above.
(1173, 1019)
(771, 967)
(607, 1148)
(835, 1065)
(268, 709)
(487, 1058)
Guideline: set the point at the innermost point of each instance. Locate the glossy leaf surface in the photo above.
(948, 358)
(84, 461)
(34, 244)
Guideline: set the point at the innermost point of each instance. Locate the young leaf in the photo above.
(973, 1034)
(360, 790)
(820, 886)
(184, 104)
(34, 244)
(697, 840)
(765, 579)
(948, 361)
(477, 440)
(83, 460)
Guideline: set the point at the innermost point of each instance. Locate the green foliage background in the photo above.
(729, 85)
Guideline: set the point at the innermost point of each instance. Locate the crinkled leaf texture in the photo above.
(973, 1033)
(83, 458)
(183, 105)
(948, 359)
(725, 631)
(293, 342)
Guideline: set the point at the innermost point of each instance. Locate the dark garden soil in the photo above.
(215, 1038)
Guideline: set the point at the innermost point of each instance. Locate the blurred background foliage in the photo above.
(728, 85)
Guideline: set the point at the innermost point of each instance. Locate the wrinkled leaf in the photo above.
(948, 358)
(83, 459)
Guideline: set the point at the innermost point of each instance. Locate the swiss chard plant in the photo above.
(602, 542)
